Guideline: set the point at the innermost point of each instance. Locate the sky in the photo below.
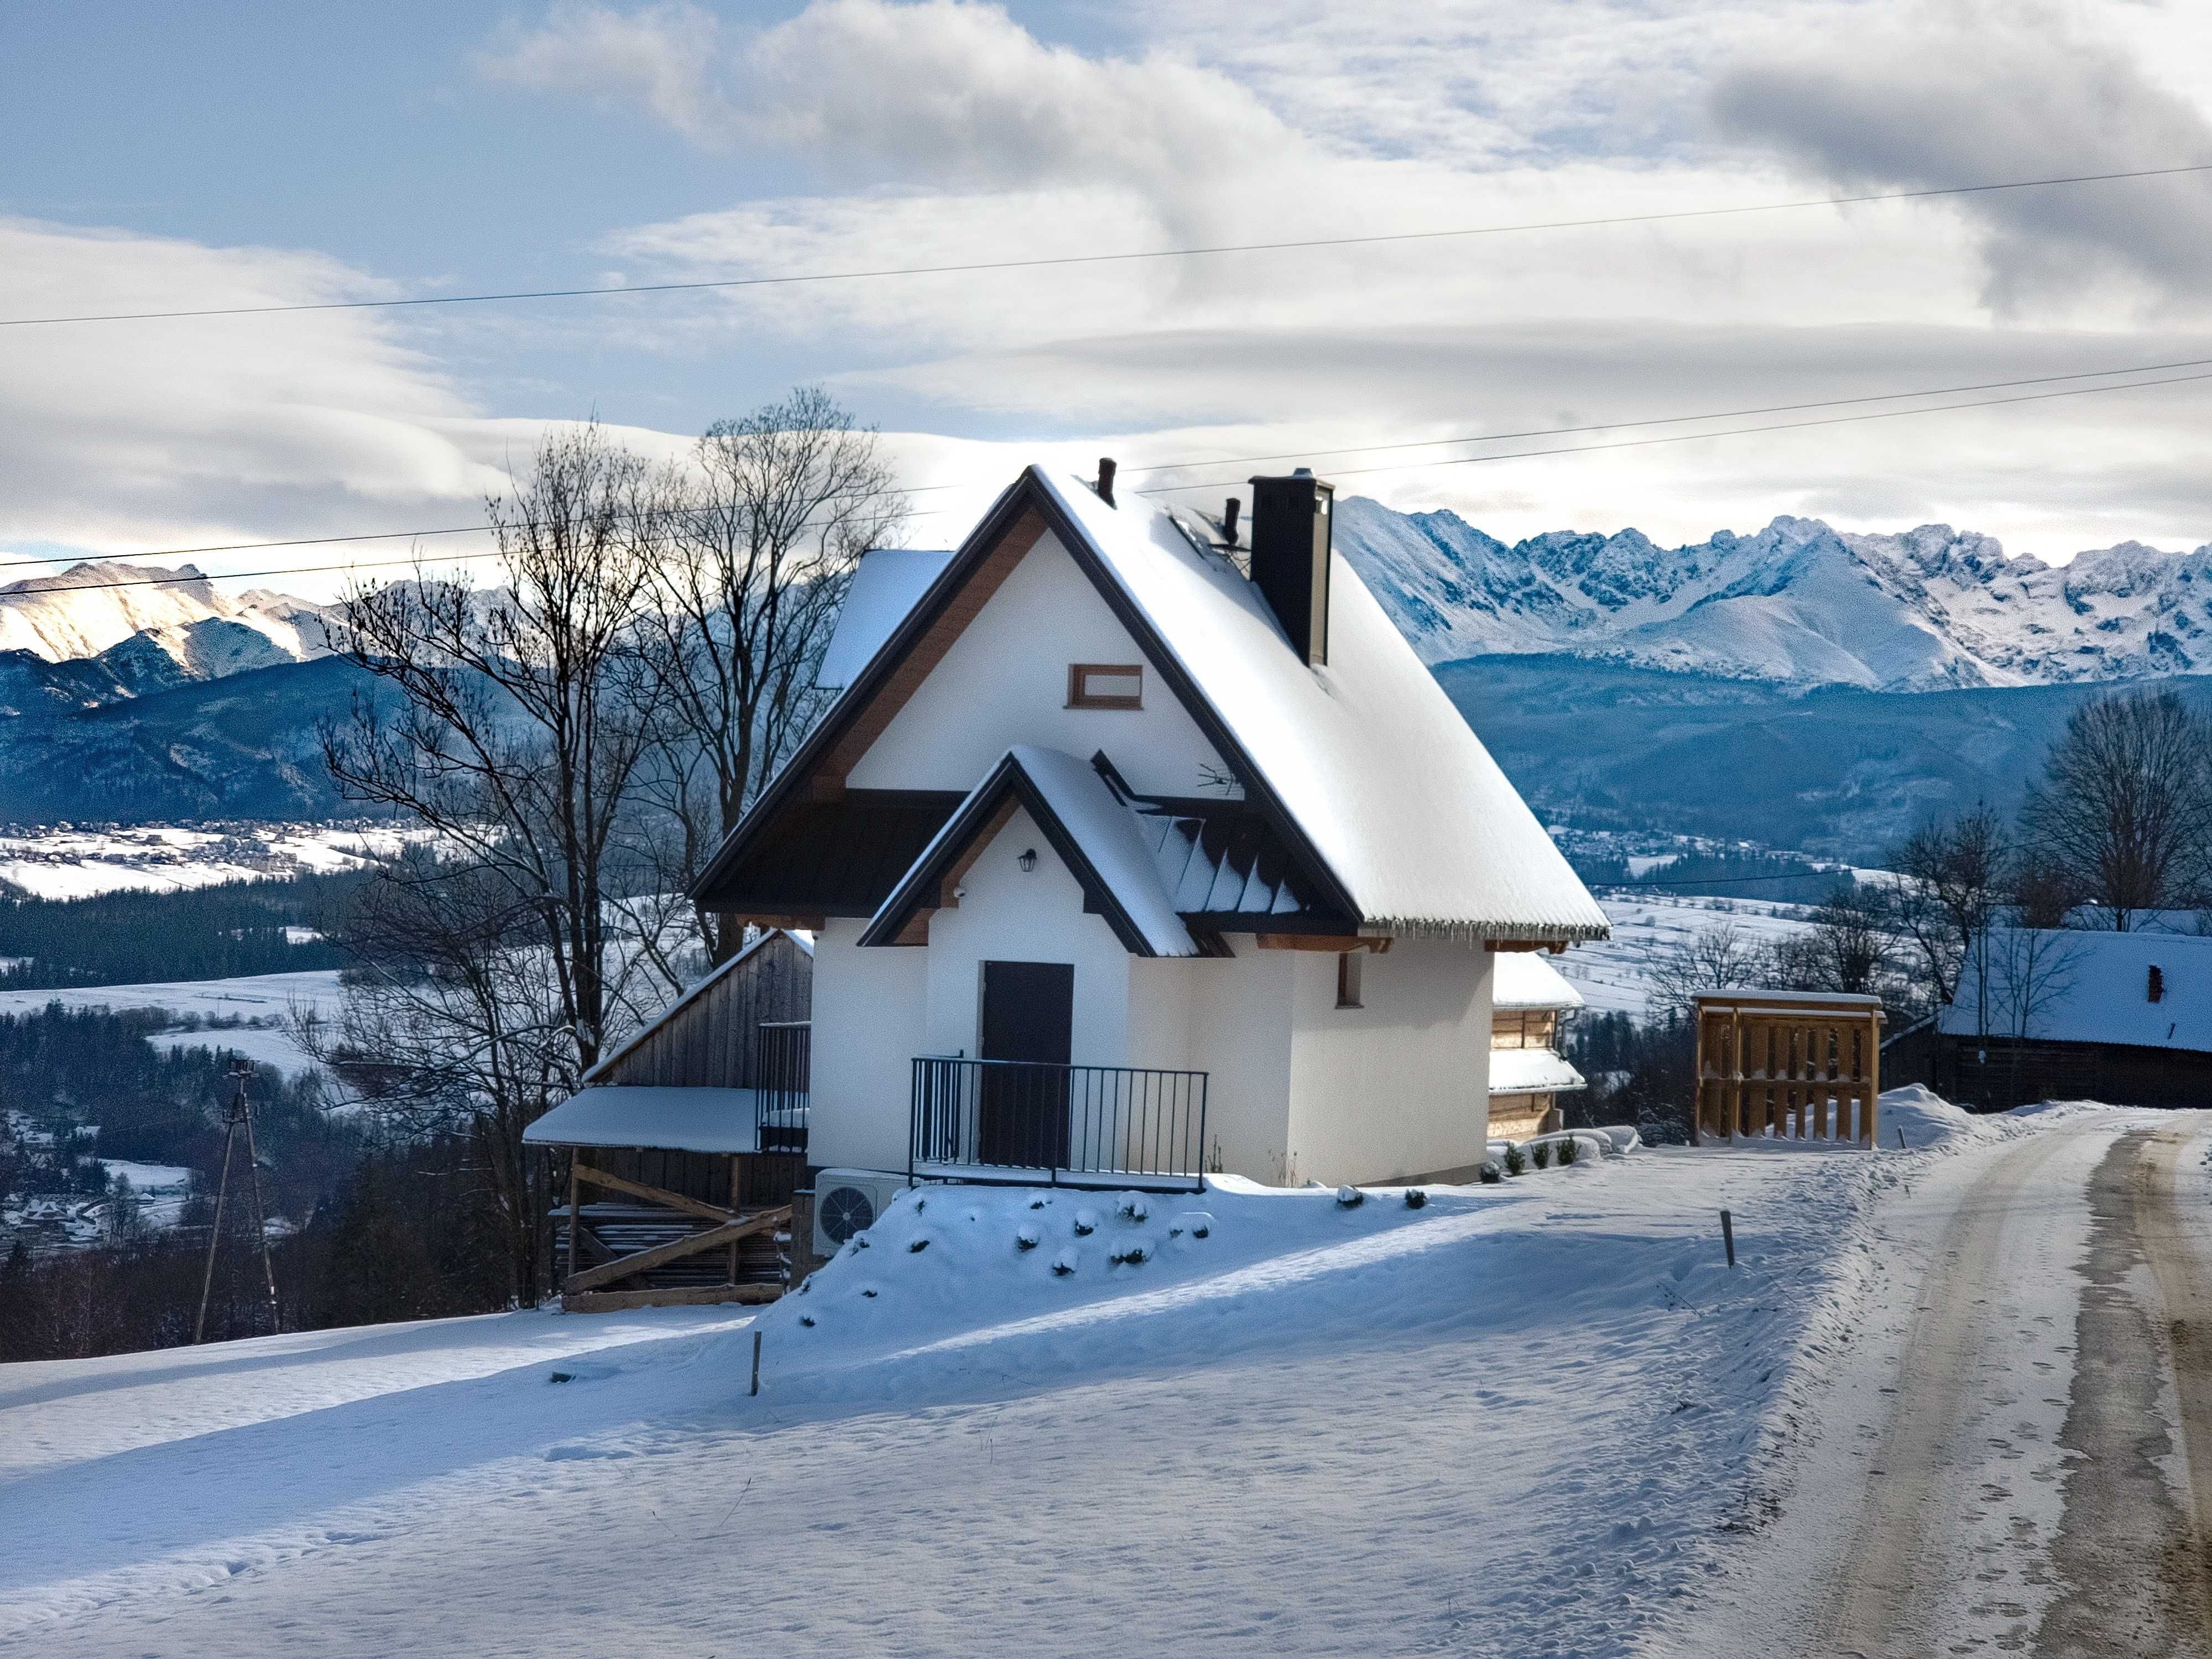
(162, 157)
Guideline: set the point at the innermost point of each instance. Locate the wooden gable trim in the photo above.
(920, 658)
(1005, 536)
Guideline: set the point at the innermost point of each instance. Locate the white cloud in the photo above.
(661, 58)
(1960, 94)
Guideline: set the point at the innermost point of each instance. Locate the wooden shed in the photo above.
(685, 1144)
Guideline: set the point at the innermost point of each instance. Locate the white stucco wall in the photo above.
(1009, 914)
(869, 1016)
(1004, 682)
(1400, 1087)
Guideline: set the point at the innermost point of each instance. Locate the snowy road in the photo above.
(2025, 1463)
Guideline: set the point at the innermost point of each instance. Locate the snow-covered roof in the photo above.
(885, 587)
(1524, 979)
(1089, 825)
(802, 939)
(1362, 766)
(1366, 754)
(1530, 1071)
(2067, 986)
(681, 1120)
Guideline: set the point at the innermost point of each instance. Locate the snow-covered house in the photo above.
(1137, 847)
(1529, 998)
(2065, 1013)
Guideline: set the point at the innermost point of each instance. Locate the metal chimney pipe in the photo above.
(1229, 520)
(1106, 479)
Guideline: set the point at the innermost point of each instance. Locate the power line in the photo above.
(1226, 460)
(1726, 432)
(969, 267)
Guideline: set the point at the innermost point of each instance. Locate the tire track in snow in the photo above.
(1881, 1600)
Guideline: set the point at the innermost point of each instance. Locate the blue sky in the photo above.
(162, 154)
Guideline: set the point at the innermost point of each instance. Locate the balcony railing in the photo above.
(785, 1073)
(1028, 1121)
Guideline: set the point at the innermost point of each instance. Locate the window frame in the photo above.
(1350, 980)
(1079, 696)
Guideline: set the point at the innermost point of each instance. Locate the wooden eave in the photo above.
(999, 543)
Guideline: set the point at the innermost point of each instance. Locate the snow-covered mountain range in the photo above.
(1798, 604)
(151, 627)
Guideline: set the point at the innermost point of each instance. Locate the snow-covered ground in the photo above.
(67, 862)
(267, 998)
(1538, 1418)
(1614, 975)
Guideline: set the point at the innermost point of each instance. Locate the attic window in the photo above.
(1347, 979)
(1105, 686)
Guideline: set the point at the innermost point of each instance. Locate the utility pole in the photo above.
(238, 1114)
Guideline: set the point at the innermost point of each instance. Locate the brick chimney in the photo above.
(1292, 531)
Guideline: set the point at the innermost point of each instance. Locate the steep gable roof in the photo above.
(1090, 827)
(1375, 784)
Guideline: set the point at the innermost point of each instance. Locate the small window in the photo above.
(1347, 979)
(1105, 686)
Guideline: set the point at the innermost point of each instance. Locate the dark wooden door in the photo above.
(1029, 1017)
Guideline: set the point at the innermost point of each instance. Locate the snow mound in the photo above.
(1925, 1118)
(945, 1262)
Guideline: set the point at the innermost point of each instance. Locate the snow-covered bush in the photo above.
(1086, 1223)
(1350, 1198)
(1197, 1222)
(1134, 1254)
(1516, 1161)
(1063, 1264)
(1490, 1175)
(1570, 1149)
(1027, 1237)
(1415, 1198)
(1540, 1154)
(917, 1247)
(1135, 1209)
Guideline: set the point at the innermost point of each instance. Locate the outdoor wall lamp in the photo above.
(1027, 860)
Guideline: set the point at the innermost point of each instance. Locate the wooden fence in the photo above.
(1788, 1066)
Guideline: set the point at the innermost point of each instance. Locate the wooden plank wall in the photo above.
(714, 1041)
(1813, 1073)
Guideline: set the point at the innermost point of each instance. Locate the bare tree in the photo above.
(492, 961)
(761, 532)
(2124, 807)
(2030, 969)
(1951, 879)
(1709, 960)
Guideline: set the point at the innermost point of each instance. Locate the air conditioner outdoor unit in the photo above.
(848, 1201)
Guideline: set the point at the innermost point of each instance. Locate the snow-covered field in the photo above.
(268, 998)
(65, 862)
(1614, 973)
(1531, 1419)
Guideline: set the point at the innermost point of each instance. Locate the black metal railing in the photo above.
(784, 1072)
(1027, 1121)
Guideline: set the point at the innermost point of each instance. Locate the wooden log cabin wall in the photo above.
(1790, 1066)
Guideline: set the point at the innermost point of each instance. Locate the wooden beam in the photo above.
(677, 1249)
(694, 1295)
(1334, 943)
(659, 1196)
(1554, 945)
